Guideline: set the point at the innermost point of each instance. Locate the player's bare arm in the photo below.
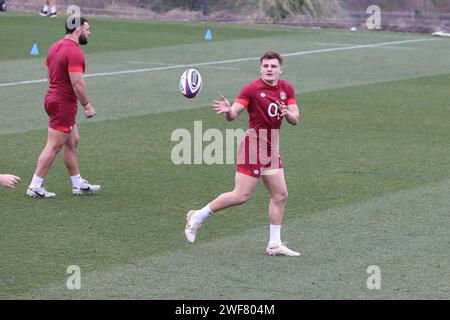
(79, 87)
(222, 105)
(290, 112)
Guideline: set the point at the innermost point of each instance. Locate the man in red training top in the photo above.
(65, 68)
(267, 100)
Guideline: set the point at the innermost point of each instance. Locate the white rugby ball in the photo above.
(190, 83)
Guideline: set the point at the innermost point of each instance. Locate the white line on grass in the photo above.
(169, 64)
(399, 48)
(147, 62)
(178, 66)
(333, 44)
(329, 44)
(221, 68)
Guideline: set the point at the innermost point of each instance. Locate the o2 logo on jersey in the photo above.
(273, 110)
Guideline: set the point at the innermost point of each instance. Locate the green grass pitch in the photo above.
(367, 170)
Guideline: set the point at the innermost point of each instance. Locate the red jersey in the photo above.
(259, 147)
(261, 100)
(64, 56)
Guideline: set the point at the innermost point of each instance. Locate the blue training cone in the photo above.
(208, 35)
(34, 50)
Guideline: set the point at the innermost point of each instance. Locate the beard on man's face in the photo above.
(82, 39)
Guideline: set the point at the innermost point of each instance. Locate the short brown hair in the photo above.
(271, 55)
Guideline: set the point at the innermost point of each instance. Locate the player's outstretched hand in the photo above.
(9, 180)
(222, 105)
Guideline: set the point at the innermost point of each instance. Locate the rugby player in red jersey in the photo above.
(268, 100)
(65, 68)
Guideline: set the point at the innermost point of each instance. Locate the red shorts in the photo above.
(62, 114)
(253, 162)
(255, 170)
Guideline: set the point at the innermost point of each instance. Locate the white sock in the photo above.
(77, 181)
(201, 215)
(36, 182)
(45, 8)
(53, 9)
(275, 235)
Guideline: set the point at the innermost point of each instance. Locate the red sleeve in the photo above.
(245, 95)
(290, 94)
(76, 61)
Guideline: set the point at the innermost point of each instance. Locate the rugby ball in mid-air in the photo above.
(190, 83)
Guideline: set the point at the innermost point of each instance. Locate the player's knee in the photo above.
(242, 198)
(281, 197)
(55, 148)
(73, 143)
